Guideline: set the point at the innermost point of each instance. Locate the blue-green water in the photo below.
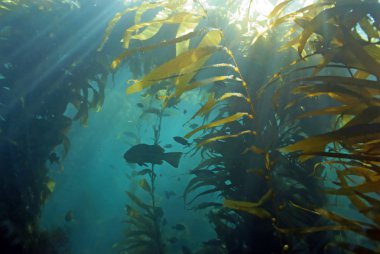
(93, 178)
(269, 127)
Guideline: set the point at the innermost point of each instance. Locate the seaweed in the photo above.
(257, 125)
(34, 122)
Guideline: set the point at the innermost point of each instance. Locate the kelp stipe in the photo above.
(342, 36)
(288, 197)
(145, 219)
(34, 122)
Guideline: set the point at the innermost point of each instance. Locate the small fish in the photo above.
(154, 154)
(53, 158)
(179, 227)
(172, 102)
(168, 146)
(181, 141)
(213, 242)
(185, 111)
(69, 216)
(193, 126)
(173, 240)
(140, 105)
(169, 194)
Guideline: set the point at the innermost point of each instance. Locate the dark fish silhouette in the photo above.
(169, 194)
(168, 146)
(193, 126)
(154, 154)
(173, 240)
(140, 105)
(179, 227)
(213, 242)
(203, 173)
(53, 158)
(69, 216)
(181, 141)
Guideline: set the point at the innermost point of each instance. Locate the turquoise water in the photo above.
(68, 185)
(93, 178)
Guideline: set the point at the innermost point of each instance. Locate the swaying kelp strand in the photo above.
(251, 147)
(329, 32)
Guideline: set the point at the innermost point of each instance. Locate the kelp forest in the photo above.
(189, 126)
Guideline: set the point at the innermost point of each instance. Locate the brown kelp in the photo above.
(34, 96)
(329, 73)
(341, 37)
(145, 221)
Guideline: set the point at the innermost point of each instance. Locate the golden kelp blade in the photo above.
(352, 224)
(369, 28)
(3, 7)
(230, 95)
(110, 27)
(309, 230)
(309, 145)
(172, 67)
(181, 89)
(115, 63)
(207, 107)
(147, 6)
(225, 137)
(145, 185)
(132, 212)
(254, 149)
(228, 119)
(340, 110)
(366, 187)
(365, 58)
(250, 207)
(137, 201)
(212, 39)
(185, 28)
(247, 207)
(140, 10)
(51, 185)
(153, 27)
(301, 12)
(188, 62)
(367, 115)
(346, 135)
(279, 8)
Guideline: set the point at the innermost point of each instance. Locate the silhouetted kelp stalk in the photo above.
(145, 220)
(343, 36)
(225, 173)
(182, 70)
(34, 121)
